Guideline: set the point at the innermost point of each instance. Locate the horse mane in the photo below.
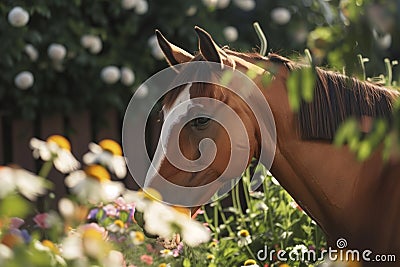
(337, 97)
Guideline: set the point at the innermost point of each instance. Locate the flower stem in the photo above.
(46, 168)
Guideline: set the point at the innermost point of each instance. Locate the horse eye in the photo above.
(201, 122)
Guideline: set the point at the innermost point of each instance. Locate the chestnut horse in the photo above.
(350, 199)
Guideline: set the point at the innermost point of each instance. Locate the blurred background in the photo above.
(70, 67)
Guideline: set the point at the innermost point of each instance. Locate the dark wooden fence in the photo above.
(80, 128)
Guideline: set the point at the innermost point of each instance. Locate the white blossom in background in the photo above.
(18, 17)
(280, 15)
(27, 183)
(110, 74)
(24, 80)
(141, 7)
(221, 4)
(92, 42)
(245, 5)
(32, 52)
(210, 3)
(127, 76)
(230, 33)
(56, 52)
(191, 11)
(129, 4)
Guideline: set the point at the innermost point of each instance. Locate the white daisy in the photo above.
(244, 238)
(27, 183)
(109, 154)
(58, 149)
(137, 237)
(93, 185)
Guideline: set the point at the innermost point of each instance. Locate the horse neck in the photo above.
(323, 179)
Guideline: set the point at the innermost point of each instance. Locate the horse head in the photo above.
(210, 133)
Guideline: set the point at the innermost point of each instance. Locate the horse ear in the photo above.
(173, 54)
(208, 48)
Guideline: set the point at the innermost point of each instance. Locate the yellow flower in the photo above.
(97, 172)
(250, 262)
(213, 244)
(284, 265)
(210, 257)
(137, 237)
(51, 246)
(59, 140)
(112, 146)
(183, 210)
(244, 233)
(150, 194)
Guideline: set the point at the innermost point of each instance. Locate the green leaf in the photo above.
(124, 216)
(307, 84)
(293, 87)
(186, 262)
(14, 206)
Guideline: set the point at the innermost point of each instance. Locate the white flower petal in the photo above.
(29, 184)
(65, 162)
(7, 182)
(72, 247)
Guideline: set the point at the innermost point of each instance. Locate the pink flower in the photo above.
(16, 223)
(41, 220)
(147, 259)
(110, 210)
(150, 248)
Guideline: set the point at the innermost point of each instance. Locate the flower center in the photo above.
(151, 194)
(183, 210)
(98, 173)
(111, 146)
(119, 223)
(51, 246)
(92, 234)
(61, 141)
(139, 236)
(250, 262)
(244, 233)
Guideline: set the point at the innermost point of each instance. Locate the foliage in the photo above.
(121, 34)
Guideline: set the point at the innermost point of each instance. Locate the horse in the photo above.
(348, 198)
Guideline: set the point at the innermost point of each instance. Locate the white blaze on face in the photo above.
(179, 109)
